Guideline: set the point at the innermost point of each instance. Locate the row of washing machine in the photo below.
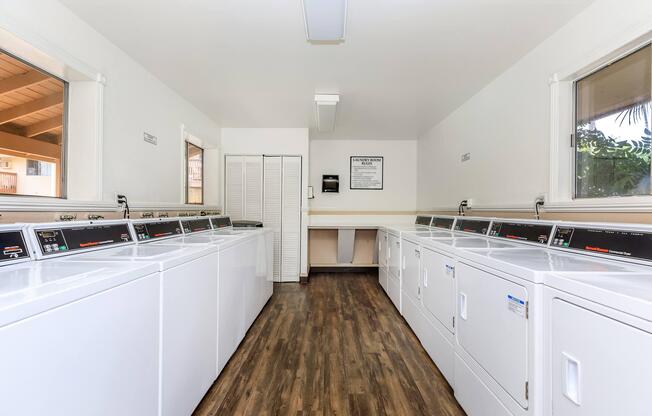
(124, 317)
(528, 317)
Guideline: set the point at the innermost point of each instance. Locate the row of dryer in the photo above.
(528, 317)
(124, 317)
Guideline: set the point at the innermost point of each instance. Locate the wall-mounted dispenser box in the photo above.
(330, 183)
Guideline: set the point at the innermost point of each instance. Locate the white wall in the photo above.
(506, 125)
(332, 157)
(134, 102)
(274, 141)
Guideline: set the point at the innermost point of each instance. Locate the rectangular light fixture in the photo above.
(325, 20)
(325, 105)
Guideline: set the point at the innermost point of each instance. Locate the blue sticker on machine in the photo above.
(516, 305)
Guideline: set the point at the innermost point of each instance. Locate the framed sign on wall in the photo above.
(366, 173)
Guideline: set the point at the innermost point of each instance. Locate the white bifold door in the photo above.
(244, 187)
(282, 213)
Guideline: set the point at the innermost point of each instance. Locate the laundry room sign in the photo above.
(367, 172)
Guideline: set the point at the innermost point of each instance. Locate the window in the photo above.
(613, 123)
(32, 123)
(194, 174)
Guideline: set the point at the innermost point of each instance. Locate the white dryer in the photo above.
(188, 311)
(499, 324)
(76, 338)
(598, 335)
(389, 273)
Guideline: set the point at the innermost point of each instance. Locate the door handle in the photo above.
(571, 378)
(403, 266)
(425, 277)
(463, 306)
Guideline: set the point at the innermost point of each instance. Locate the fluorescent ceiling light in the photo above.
(325, 105)
(325, 20)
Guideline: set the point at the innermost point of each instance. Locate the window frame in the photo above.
(562, 150)
(187, 144)
(63, 160)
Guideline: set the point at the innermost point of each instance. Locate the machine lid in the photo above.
(221, 222)
(196, 225)
(443, 222)
(13, 245)
(57, 239)
(476, 243)
(609, 241)
(532, 232)
(423, 220)
(476, 226)
(156, 229)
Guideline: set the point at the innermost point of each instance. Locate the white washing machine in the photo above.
(76, 338)
(429, 280)
(188, 321)
(390, 275)
(598, 337)
(499, 324)
(244, 286)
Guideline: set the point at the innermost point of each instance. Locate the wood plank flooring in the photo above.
(335, 346)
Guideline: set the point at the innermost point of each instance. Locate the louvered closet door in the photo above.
(272, 207)
(234, 192)
(291, 218)
(253, 188)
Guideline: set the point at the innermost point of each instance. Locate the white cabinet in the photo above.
(95, 356)
(492, 327)
(438, 287)
(282, 213)
(382, 278)
(244, 187)
(600, 366)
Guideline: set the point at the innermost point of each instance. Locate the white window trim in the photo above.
(562, 164)
(83, 192)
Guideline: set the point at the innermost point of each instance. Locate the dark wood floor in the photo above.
(335, 346)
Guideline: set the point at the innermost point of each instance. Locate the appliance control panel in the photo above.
(13, 246)
(423, 220)
(196, 225)
(472, 226)
(59, 240)
(156, 229)
(221, 222)
(613, 242)
(534, 233)
(443, 222)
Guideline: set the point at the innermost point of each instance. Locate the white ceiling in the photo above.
(404, 66)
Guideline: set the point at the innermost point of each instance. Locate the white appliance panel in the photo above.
(411, 266)
(438, 287)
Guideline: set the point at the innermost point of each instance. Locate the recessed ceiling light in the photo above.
(325, 20)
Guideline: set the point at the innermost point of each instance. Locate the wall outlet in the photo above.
(469, 203)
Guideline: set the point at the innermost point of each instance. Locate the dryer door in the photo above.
(600, 366)
(492, 327)
(438, 289)
(394, 255)
(410, 271)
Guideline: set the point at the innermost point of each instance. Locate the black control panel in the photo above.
(13, 246)
(472, 226)
(535, 233)
(423, 220)
(156, 229)
(58, 240)
(196, 225)
(441, 222)
(221, 222)
(622, 243)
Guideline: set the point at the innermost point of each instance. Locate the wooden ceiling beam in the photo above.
(30, 107)
(18, 82)
(15, 145)
(43, 126)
